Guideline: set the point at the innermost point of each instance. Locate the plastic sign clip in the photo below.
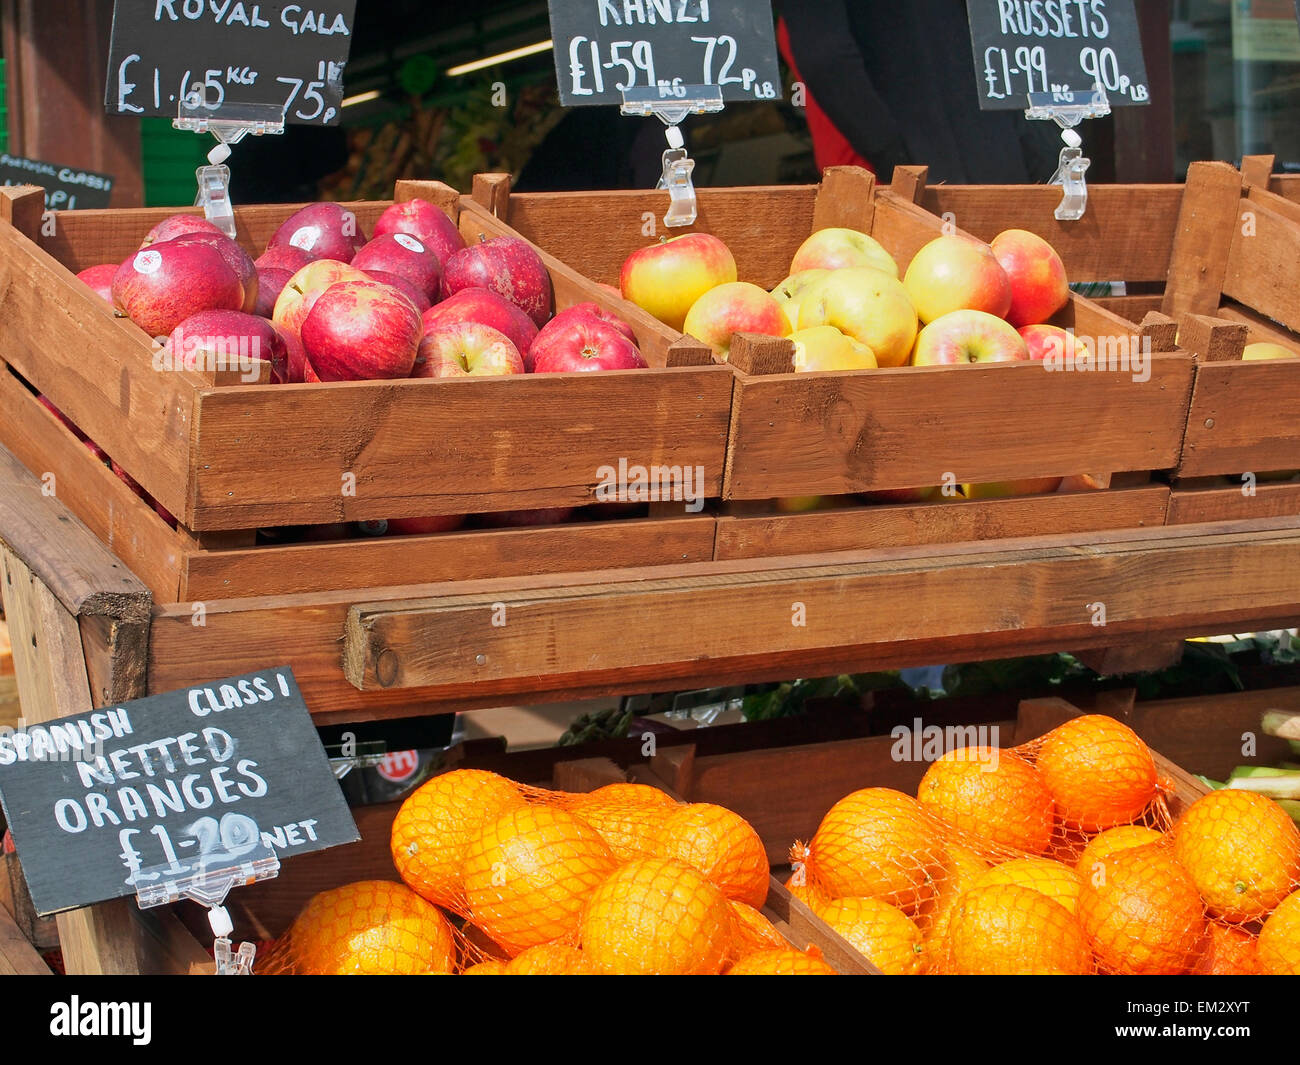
(1068, 109)
(671, 103)
(678, 166)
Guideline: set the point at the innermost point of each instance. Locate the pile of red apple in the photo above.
(844, 306)
(323, 303)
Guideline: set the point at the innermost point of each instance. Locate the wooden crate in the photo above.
(228, 458)
(1218, 259)
(836, 434)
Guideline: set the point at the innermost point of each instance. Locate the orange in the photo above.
(1226, 951)
(798, 886)
(720, 844)
(961, 869)
(627, 816)
(1112, 841)
(1009, 930)
(990, 793)
(551, 959)
(1142, 914)
(370, 928)
(435, 823)
(1051, 878)
(1242, 851)
(751, 931)
(528, 874)
(657, 916)
(491, 967)
(1098, 771)
(1279, 941)
(886, 935)
(786, 962)
(876, 843)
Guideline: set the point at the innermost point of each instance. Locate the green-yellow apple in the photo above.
(954, 273)
(823, 347)
(968, 336)
(787, 293)
(1031, 486)
(1052, 344)
(1268, 350)
(837, 248)
(901, 495)
(667, 278)
(736, 307)
(305, 287)
(1038, 285)
(866, 304)
(798, 504)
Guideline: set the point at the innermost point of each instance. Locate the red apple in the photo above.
(126, 478)
(236, 258)
(44, 401)
(164, 513)
(270, 283)
(427, 223)
(968, 336)
(418, 299)
(467, 349)
(295, 365)
(160, 287)
(323, 231)
(361, 331)
(100, 278)
(507, 266)
(225, 340)
(736, 307)
(953, 273)
(1050, 342)
(283, 257)
(178, 225)
(96, 450)
(304, 288)
(1038, 284)
(508, 519)
(582, 342)
(667, 278)
(562, 324)
(403, 255)
(486, 308)
(435, 524)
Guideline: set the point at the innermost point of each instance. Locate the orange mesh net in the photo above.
(1058, 856)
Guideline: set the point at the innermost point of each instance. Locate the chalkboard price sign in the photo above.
(126, 798)
(229, 52)
(603, 47)
(66, 187)
(1056, 46)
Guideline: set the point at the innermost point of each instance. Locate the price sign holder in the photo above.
(671, 106)
(1067, 110)
(230, 124)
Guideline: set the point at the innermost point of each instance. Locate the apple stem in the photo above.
(482, 238)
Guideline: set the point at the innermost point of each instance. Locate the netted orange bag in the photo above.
(1061, 856)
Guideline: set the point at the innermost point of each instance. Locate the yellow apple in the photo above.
(736, 307)
(787, 293)
(1001, 489)
(838, 248)
(667, 278)
(823, 347)
(1267, 350)
(867, 305)
(955, 273)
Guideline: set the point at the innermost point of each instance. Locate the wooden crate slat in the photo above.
(862, 528)
(121, 519)
(467, 555)
(1207, 230)
(1263, 267)
(1231, 503)
(495, 443)
(1127, 233)
(1243, 418)
(907, 427)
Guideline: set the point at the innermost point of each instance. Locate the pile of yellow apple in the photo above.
(845, 307)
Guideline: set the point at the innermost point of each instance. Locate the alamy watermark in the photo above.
(630, 483)
(1121, 354)
(919, 742)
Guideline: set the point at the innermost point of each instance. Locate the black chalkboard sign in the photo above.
(66, 187)
(1056, 46)
(145, 793)
(233, 53)
(605, 46)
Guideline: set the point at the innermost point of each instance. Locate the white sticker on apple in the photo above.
(147, 262)
(408, 242)
(306, 238)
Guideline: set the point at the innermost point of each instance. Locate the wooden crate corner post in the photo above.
(846, 198)
(1207, 226)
